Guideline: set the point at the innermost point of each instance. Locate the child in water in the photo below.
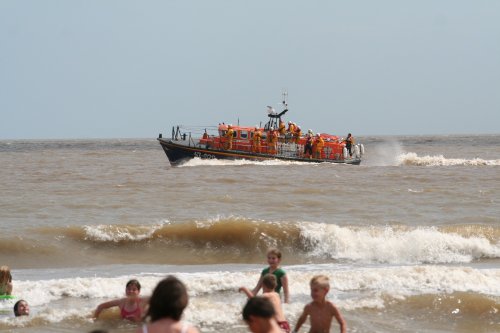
(320, 311)
(268, 285)
(166, 305)
(259, 315)
(5, 281)
(21, 308)
(274, 260)
(131, 307)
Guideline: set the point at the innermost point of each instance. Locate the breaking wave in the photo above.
(235, 239)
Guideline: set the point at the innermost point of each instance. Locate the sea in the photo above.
(410, 239)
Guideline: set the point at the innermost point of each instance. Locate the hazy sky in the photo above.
(132, 69)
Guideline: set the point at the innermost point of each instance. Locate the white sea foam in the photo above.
(388, 245)
(440, 160)
(211, 291)
(215, 162)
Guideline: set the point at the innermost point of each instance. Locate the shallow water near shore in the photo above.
(410, 239)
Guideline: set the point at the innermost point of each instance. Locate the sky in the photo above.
(133, 69)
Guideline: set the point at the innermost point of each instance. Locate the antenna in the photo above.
(285, 100)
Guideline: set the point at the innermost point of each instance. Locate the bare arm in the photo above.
(255, 290)
(302, 319)
(284, 283)
(340, 319)
(8, 290)
(246, 291)
(106, 305)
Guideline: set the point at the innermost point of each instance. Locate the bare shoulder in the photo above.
(193, 329)
(273, 296)
(332, 307)
(308, 307)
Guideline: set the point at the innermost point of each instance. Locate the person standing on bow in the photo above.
(349, 141)
(229, 137)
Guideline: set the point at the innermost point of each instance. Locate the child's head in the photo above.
(169, 299)
(269, 282)
(5, 275)
(133, 288)
(273, 257)
(21, 308)
(320, 285)
(258, 313)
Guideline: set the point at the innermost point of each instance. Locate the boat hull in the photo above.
(178, 152)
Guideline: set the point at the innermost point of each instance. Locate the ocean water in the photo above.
(410, 239)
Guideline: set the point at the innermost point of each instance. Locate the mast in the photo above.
(273, 116)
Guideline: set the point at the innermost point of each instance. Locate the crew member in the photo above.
(308, 148)
(257, 137)
(282, 128)
(272, 139)
(297, 133)
(349, 141)
(229, 136)
(319, 143)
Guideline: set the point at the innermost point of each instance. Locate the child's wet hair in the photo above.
(274, 251)
(133, 282)
(16, 307)
(269, 281)
(320, 280)
(258, 307)
(169, 299)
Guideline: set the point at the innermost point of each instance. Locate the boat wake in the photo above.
(440, 160)
(195, 162)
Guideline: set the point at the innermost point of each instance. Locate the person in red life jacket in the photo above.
(131, 307)
(308, 148)
(319, 143)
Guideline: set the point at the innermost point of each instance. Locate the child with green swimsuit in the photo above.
(274, 260)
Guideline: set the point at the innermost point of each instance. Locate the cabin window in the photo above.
(264, 135)
(235, 134)
(243, 134)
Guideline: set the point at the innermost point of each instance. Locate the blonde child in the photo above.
(131, 307)
(320, 311)
(274, 260)
(268, 285)
(5, 281)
